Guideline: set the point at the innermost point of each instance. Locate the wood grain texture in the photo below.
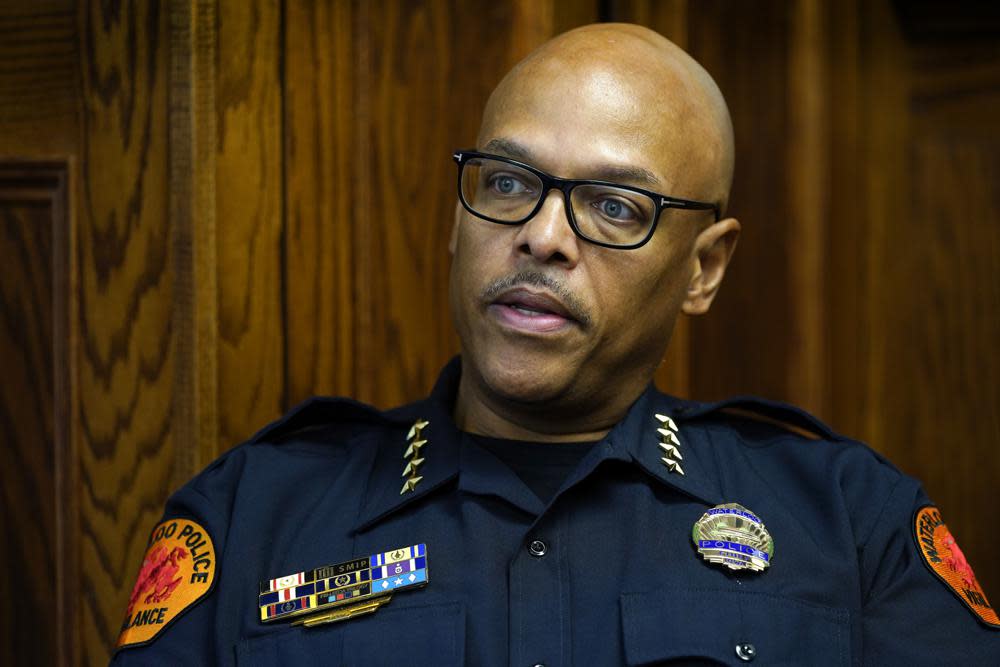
(39, 558)
(326, 147)
(807, 146)
(251, 366)
(39, 78)
(125, 306)
(192, 135)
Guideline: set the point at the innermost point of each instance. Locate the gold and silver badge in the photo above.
(732, 536)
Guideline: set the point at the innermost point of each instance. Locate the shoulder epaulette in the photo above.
(320, 411)
(778, 414)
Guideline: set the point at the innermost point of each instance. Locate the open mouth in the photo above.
(530, 311)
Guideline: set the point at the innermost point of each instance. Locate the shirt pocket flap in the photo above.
(431, 634)
(710, 625)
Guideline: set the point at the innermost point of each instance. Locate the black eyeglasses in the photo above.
(509, 192)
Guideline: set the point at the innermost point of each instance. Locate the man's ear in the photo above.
(713, 249)
(453, 241)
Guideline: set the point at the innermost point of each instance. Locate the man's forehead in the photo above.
(586, 123)
(617, 96)
(622, 171)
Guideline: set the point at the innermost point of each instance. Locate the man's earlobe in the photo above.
(714, 248)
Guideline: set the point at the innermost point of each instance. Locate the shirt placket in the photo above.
(539, 611)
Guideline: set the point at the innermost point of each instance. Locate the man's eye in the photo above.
(616, 210)
(507, 184)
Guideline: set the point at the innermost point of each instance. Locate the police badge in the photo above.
(733, 536)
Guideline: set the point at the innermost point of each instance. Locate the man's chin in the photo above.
(527, 380)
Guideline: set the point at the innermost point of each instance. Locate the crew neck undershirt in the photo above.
(542, 466)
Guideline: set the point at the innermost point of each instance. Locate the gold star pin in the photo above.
(412, 455)
(663, 419)
(411, 467)
(671, 450)
(418, 426)
(414, 448)
(672, 466)
(668, 436)
(669, 443)
(410, 484)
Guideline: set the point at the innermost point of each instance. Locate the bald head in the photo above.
(663, 101)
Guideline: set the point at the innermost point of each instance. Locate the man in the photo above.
(545, 505)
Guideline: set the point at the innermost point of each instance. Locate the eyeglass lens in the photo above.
(507, 193)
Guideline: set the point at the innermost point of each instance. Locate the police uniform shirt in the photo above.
(605, 573)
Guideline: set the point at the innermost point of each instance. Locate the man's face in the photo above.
(546, 318)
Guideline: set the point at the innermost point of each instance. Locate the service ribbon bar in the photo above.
(344, 583)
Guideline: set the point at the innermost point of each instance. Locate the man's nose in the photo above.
(547, 236)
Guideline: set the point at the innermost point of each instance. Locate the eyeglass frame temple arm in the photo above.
(673, 202)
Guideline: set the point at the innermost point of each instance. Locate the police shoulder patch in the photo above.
(945, 559)
(177, 571)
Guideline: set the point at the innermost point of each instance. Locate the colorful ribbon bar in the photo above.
(344, 583)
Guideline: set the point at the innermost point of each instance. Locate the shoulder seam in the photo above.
(788, 426)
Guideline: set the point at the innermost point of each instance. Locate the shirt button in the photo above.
(746, 652)
(537, 548)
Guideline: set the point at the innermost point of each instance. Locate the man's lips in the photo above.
(531, 311)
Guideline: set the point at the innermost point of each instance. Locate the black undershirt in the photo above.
(542, 466)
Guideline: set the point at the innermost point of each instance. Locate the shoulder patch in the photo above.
(943, 557)
(177, 571)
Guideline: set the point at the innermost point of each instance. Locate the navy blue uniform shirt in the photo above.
(619, 580)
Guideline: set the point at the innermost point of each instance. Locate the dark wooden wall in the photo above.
(212, 209)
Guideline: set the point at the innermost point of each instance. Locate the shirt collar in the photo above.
(638, 435)
(441, 453)
(634, 438)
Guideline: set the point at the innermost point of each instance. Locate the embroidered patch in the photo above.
(945, 559)
(177, 571)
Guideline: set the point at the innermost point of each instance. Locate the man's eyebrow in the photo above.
(508, 148)
(607, 172)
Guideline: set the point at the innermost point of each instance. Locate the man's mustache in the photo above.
(535, 279)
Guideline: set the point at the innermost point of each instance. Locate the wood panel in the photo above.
(327, 196)
(193, 143)
(37, 479)
(39, 78)
(249, 227)
(125, 293)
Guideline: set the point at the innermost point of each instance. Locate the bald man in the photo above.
(546, 505)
